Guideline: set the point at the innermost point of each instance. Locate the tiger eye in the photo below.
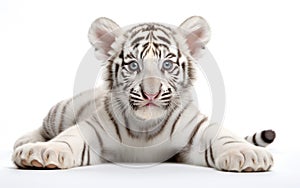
(167, 65)
(133, 66)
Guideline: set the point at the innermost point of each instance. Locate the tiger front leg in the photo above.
(67, 150)
(221, 149)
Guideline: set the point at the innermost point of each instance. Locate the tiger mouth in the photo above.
(150, 104)
(147, 105)
(146, 101)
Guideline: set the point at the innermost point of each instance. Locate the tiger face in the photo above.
(151, 71)
(149, 66)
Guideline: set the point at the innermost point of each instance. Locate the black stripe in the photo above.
(128, 130)
(135, 32)
(97, 134)
(112, 119)
(160, 29)
(62, 117)
(195, 116)
(211, 153)
(223, 137)
(170, 55)
(244, 156)
(175, 68)
(148, 36)
(135, 46)
(161, 45)
(164, 39)
(117, 66)
(196, 130)
(146, 52)
(179, 55)
(206, 158)
(127, 63)
(138, 39)
(89, 157)
(178, 117)
(136, 98)
(184, 71)
(123, 73)
(168, 93)
(165, 98)
(98, 123)
(232, 142)
(145, 46)
(191, 71)
(122, 58)
(172, 84)
(53, 117)
(65, 142)
(82, 108)
(154, 52)
(125, 119)
(135, 94)
(153, 36)
(45, 129)
(159, 54)
(109, 76)
(82, 154)
(49, 115)
(254, 140)
(163, 124)
(121, 55)
(176, 74)
(130, 55)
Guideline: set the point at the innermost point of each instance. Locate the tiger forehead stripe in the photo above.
(130, 55)
(137, 40)
(170, 55)
(150, 27)
(164, 39)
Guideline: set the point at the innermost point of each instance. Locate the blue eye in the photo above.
(167, 65)
(133, 66)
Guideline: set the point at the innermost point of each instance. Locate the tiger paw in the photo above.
(46, 155)
(245, 159)
(31, 137)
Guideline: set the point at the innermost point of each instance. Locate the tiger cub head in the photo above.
(149, 67)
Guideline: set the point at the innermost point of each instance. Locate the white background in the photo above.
(255, 43)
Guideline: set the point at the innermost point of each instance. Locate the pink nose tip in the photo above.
(151, 96)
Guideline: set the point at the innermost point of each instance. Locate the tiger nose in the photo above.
(150, 87)
(150, 96)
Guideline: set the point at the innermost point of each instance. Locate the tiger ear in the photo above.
(197, 34)
(102, 34)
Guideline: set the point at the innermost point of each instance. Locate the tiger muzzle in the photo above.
(151, 88)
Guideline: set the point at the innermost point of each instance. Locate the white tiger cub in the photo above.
(145, 113)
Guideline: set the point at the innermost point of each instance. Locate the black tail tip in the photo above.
(268, 136)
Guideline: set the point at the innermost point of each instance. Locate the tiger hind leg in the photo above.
(59, 118)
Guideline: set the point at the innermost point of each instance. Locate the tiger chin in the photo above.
(145, 113)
